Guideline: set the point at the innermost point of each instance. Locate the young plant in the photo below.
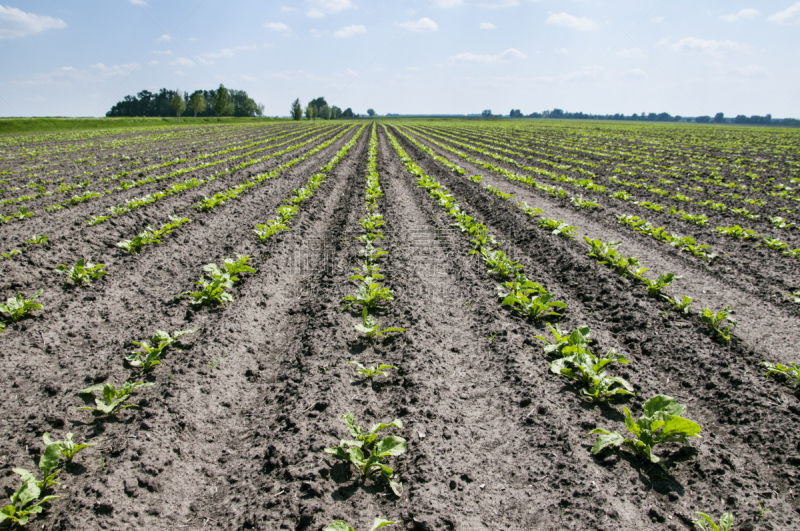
(705, 523)
(369, 295)
(371, 372)
(794, 297)
(37, 239)
(586, 368)
(775, 244)
(211, 292)
(371, 253)
(792, 371)
(11, 254)
(232, 267)
(341, 525)
(558, 227)
(83, 272)
(150, 355)
(660, 423)
(566, 344)
(654, 287)
(66, 448)
(367, 453)
(371, 328)
(714, 322)
(113, 399)
(682, 305)
(269, 229)
(25, 501)
(498, 262)
(19, 307)
(533, 302)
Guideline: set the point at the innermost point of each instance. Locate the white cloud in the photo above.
(487, 26)
(17, 23)
(153, 62)
(631, 53)
(179, 73)
(744, 14)
(138, 2)
(349, 31)
(162, 52)
(692, 44)
(419, 26)
(413, 68)
(657, 20)
(116, 70)
(320, 8)
(499, 4)
(565, 20)
(164, 38)
(182, 61)
(225, 52)
(486, 59)
(636, 73)
(278, 26)
(448, 3)
(790, 15)
(317, 34)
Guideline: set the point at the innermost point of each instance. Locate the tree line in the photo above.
(319, 108)
(216, 102)
(718, 118)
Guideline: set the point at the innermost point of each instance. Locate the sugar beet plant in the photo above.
(83, 272)
(150, 235)
(113, 398)
(150, 351)
(341, 525)
(217, 280)
(529, 298)
(368, 454)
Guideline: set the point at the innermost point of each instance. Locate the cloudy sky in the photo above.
(408, 56)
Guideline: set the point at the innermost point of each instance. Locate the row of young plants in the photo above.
(662, 419)
(194, 182)
(683, 243)
(207, 203)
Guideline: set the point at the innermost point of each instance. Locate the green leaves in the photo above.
(566, 344)
(37, 239)
(737, 232)
(367, 453)
(25, 500)
(370, 295)
(341, 525)
(371, 328)
(705, 523)
(371, 372)
(66, 448)
(151, 235)
(654, 287)
(213, 289)
(19, 307)
(150, 355)
(558, 227)
(682, 304)
(83, 272)
(714, 322)
(498, 262)
(791, 371)
(529, 298)
(660, 423)
(586, 369)
(113, 399)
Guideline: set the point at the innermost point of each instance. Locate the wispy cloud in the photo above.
(279, 27)
(419, 26)
(499, 4)
(631, 53)
(790, 15)
(692, 44)
(744, 14)
(138, 2)
(487, 26)
(116, 70)
(657, 20)
(448, 3)
(487, 59)
(565, 20)
(349, 31)
(182, 61)
(320, 8)
(16, 23)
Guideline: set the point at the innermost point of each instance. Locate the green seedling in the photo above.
(232, 267)
(213, 365)
(371, 328)
(371, 253)
(660, 423)
(714, 322)
(23, 213)
(19, 307)
(792, 371)
(341, 525)
(498, 262)
(475, 178)
(370, 294)
(529, 298)
(780, 223)
(25, 501)
(367, 454)
(775, 244)
(580, 202)
(269, 229)
(37, 239)
(150, 355)
(371, 372)
(371, 222)
(705, 523)
(586, 368)
(11, 254)
(67, 448)
(794, 297)
(682, 305)
(83, 272)
(113, 399)
(565, 344)
(737, 232)
(654, 287)
(558, 227)
(211, 292)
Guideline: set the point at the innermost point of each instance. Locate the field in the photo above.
(439, 219)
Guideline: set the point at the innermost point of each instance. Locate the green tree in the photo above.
(311, 112)
(178, 104)
(297, 110)
(719, 118)
(197, 103)
(221, 102)
(260, 110)
(371, 112)
(325, 112)
(336, 113)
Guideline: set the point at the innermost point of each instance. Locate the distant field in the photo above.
(49, 124)
(459, 232)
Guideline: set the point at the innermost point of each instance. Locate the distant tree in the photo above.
(297, 110)
(221, 102)
(324, 112)
(311, 112)
(719, 118)
(556, 113)
(515, 113)
(348, 113)
(371, 112)
(487, 113)
(197, 103)
(178, 104)
(336, 113)
(260, 110)
(318, 104)
(703, 119)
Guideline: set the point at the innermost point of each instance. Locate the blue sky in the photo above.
(408, 56)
